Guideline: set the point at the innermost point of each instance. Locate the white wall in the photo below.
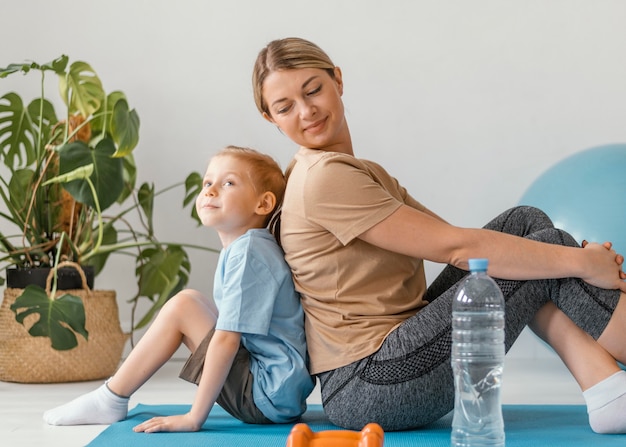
(466, 102)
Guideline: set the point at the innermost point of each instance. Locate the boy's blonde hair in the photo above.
(265, 173)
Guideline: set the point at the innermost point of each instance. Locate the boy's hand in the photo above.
(179, 423)
(220, 354)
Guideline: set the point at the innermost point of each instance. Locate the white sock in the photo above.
(606, 404)
(100, 406)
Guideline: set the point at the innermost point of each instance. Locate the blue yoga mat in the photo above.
(525, 425)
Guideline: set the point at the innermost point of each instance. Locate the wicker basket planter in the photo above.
(28, 359)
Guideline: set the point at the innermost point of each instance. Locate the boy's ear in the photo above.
(266, 204)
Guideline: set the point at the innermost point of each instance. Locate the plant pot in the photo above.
(68, 278)
(28, 359)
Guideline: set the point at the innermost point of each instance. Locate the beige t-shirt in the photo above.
(353, 293)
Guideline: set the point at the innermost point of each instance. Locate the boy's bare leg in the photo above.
(186, 318)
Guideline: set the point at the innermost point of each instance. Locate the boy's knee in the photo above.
(190, 302)
(182, 301)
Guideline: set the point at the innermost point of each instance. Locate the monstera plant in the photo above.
(61, 176)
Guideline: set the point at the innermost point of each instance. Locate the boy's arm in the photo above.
(219, 359)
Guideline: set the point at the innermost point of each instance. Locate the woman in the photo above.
(378, 338)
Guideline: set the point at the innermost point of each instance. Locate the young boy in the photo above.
(248, 345)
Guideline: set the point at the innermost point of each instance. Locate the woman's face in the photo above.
(306, 105)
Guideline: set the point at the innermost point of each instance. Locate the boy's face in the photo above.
(229, 201)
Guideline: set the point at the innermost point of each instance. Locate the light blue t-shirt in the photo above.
(255, 296)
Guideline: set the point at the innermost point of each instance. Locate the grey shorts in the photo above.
(236, 395)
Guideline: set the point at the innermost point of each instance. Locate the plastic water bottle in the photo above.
(477, 360)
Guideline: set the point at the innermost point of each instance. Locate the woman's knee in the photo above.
(532, 217)
(554, 236)
(543, 226)
(533, 213)
(521, 221)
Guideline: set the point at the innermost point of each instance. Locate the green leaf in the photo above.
(130, 177)
(60, 319)
(24, 67)
(124, 128)
(19, 129)
(80, 173)
(160, 267)
(44, 118)
(81, 89)
(42, 219)
(109, 237)
(193, 187)
(162, 272)
(17, 137)
(20, 191)
(101, 121)
(145, 196)
(58, 66)
(107, 174)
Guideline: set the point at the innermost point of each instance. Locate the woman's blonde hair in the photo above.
(286, 54)
(265, 173)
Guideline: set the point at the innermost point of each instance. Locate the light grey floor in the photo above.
(526, 381)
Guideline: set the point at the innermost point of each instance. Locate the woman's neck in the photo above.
(343, 145)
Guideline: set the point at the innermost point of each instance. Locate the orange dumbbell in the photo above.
(301, 435)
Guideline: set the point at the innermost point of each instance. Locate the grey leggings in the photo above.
(408, 382)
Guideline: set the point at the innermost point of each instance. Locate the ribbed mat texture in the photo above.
(525, 425)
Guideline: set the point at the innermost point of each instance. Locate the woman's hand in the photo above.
(180, 423)
(609, 266)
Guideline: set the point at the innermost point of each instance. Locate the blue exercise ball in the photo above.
(585, 194)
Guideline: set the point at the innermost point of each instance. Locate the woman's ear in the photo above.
(267, 203)
(339, 80)
(268, 117)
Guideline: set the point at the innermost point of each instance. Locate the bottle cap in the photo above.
(478, 265)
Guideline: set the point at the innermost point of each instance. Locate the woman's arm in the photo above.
(219, 359)
(424, 235)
